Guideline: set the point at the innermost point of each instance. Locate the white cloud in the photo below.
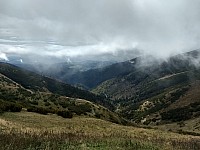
(53, 49)
(93, 27)
(3, 57)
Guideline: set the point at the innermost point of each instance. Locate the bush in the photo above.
(9, 106)
(56, 103)
(64, 104)
(80, 109)
(47, 104)
(3, 107)
(31, 109)
(15, 107)
(34, 102)
(65, 114)
(39, 110)
(178, 114)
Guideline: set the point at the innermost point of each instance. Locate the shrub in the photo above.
(178, 114)
(31, 109)
(9, 106)
(47, 104)
(34, 102)
(65, 114)
(64, 104)
(56, 103)
(80, 109)
(15, 107)
(39, 110)
(97, 115)
(3, 106)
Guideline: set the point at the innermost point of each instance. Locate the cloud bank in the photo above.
(72, 28)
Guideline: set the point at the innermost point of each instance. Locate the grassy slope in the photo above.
(26, 130)
(33, 81)
(191, 126)
(12, 91)
(182, 97)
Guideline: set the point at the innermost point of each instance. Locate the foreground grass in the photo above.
(33, 131)
(48, 140)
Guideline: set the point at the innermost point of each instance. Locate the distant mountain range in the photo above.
(64, 71)
(143, 90)
(158, 92)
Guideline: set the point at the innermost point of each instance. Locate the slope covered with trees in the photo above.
(35, 82)
(154, 93)
(14, 97)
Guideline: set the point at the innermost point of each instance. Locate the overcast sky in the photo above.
(70, 28)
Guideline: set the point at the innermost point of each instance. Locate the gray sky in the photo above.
(71, 28)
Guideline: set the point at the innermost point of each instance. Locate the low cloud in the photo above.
(92, 27)
(3, 57)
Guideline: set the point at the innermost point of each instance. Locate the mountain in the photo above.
(35, 82)
(14, 96)
(180, 68)
(157, 92)
(93, 77)
(81, 72)
(143, 90)
(64, 71)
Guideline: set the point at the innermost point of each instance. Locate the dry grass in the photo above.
(83, 133)
(191, 96)
(192, 125)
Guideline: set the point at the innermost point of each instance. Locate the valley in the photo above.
(99, 75)
(143, 107)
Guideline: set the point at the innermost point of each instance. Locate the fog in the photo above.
(94, 29)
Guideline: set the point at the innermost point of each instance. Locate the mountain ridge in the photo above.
(31, 80)
(147, 94)
(14, 97)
